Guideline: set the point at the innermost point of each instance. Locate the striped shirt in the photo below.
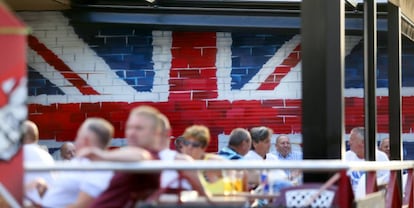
(229, 154)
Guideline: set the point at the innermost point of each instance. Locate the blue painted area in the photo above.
(354, 65)
(250, 52)
(127, 51)
(39, 85)
(408, 150)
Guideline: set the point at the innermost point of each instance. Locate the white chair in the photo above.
(307, 195)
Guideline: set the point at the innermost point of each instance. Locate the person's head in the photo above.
(196, 140)
(67, 151)
(178, 143)
(30, 132)
(240, 140)
(145, 128)
(385, 146)
(356, 141)
(165, 131)
(261, 139)
(94, 132)
(283, 145)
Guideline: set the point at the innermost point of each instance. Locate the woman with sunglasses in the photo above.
(196, 140)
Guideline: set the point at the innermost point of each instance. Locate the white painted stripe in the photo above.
(61, 38)
(77, 54)
(162, 65)
(359, 92)
(51, 74)
(223, 65)
(290, 86)
(269, 67)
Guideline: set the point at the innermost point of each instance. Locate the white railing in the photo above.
(154, 166)
(338, 166)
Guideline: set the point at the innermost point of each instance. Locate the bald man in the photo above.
(385, 146)
(32, 152)
(67, 151)
(30, 132)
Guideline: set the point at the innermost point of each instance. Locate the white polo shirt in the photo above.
(64, 190)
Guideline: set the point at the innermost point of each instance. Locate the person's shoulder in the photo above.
(250, 154)
(166, 154)
(271, 156)
(297, 153)
(350, 155)
(381, 156)
(224, 151)
(33, 152)
(211, 156)
(184, 157)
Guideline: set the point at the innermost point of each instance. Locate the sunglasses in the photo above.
(194, 144)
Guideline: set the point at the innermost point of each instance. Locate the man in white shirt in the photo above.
(32, 152)
(260, 151)
(80, 188)
(260, 144)
(357, 153)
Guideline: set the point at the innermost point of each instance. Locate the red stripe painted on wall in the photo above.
(221, 116)
(193, 66)
(273, 80)
(60, 66)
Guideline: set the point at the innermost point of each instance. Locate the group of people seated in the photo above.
(147, 133)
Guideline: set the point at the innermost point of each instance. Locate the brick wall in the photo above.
(219, 79)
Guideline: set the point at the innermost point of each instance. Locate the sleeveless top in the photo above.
(216, 187)
(125, 189)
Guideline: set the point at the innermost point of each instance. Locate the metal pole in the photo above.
(322, 80)
(394, 83)
(370, 77)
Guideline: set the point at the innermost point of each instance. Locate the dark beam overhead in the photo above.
(225, 14)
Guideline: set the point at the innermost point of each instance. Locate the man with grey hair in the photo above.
(357, 153)
(284, 149)
(284, 152)
(239, 144)
(385, 146)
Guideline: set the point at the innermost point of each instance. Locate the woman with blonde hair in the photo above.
(196, 140)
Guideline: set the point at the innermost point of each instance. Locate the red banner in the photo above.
(13, 95)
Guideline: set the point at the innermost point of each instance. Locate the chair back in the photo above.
(307, 195)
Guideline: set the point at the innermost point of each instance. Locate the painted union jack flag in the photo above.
(219, 79)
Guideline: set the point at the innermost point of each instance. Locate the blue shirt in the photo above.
(229, 154)
(293, 155)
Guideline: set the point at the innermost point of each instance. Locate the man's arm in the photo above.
(83, 200)
(125, 154)
(191, 176)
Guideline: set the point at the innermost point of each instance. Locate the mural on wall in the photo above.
(219, 79)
